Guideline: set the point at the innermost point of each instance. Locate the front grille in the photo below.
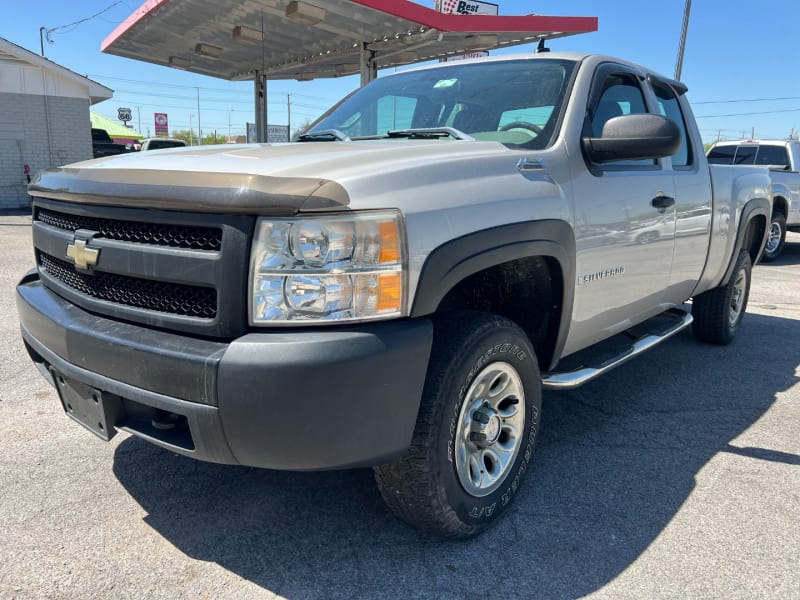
(170, 298)
(192, 237)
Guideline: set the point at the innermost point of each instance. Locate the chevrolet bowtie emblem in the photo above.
(82, 255)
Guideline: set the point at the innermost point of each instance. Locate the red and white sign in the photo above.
(162, 124)
(469, 7)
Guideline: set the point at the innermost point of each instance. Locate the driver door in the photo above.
(624, 222)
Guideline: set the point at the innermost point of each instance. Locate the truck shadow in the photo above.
(615, 462)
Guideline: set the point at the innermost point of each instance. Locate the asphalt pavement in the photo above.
(675, 476)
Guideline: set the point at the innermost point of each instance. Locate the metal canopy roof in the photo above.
(319, 39)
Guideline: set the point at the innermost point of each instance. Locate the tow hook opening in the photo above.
(168, 421)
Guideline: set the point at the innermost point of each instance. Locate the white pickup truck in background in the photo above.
(783, 159)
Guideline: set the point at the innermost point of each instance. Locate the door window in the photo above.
(621, 95)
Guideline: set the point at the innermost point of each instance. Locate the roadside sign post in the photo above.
(124, 114)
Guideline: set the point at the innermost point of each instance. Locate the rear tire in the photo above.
(718, 313)
(475, 432)
(776, 238)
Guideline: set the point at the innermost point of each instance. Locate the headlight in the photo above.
(327, 268)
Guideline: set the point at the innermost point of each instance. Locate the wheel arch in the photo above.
(751, 234)
(544, 251)
(781, 199)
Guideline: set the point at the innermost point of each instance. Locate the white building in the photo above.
(44, 118)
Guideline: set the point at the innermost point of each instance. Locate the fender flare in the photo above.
(779, 189)
(449, 264)
(753, 208)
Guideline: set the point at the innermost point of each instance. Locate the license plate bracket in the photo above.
(96, 410)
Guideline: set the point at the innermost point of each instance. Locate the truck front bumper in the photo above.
(309, 399)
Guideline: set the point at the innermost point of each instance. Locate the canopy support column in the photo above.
(369, 70)
(260, 97)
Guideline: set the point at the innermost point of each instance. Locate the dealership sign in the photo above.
(465, 7)
(469, 7)
(162, 124)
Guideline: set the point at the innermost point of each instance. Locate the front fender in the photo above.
(452, 262)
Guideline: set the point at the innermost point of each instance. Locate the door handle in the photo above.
(662, 201)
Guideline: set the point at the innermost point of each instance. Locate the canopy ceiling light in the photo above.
(247, 34)
(305, 13)
(179, 63)
(208, 50)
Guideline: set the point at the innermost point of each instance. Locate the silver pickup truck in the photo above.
(395, 288)
(782, 157)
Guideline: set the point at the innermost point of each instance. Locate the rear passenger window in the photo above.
(774, 156)
(670, 107)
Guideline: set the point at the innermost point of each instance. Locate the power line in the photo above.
(746, 114)
(747, 100)
(248, 92)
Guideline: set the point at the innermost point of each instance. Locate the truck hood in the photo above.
(251, 179)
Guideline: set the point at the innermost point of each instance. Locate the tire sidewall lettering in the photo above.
(473, 509)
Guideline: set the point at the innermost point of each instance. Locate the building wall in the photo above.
(42, 132)
(18, 77)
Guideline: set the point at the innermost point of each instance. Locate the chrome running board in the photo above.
(568, 380)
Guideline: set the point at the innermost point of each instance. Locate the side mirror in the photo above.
(634, 137)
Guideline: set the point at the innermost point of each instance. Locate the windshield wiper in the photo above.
(326, 135)
(429, 133)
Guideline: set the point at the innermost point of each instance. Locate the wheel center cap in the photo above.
(492, 430)
(486, 425)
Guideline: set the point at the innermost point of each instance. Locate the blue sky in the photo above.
(740, 63)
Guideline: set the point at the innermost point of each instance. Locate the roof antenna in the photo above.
(541, 47)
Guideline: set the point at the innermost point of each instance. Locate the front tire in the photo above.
(475, 432)
(718, 313)
(776, 238)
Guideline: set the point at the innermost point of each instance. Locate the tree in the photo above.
(185, 135)
(190, 137)
(301, 129)
(214, 138)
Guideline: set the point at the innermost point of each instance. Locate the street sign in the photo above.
(277, 134)
(124, 114)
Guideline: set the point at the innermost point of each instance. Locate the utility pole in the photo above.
(191, 131)
(289, 117)
(682, 44)
(199, 130)
(139, 115)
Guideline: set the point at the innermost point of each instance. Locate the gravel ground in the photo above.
(675, 476)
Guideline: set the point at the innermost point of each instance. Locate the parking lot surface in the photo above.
(675, 476)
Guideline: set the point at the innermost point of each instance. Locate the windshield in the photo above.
(515, 102)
